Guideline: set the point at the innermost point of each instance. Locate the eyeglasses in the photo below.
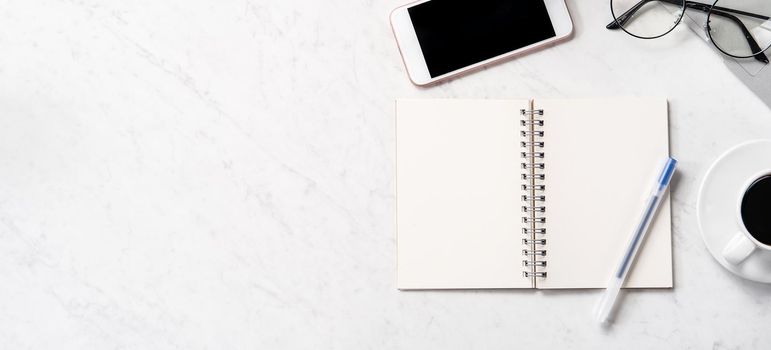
(738, 28)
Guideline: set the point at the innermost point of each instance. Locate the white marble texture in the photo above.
(218, 175)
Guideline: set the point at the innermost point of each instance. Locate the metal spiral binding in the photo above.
(531, 122)
(533, 197)
(535, 209)
(529, 274)
(538, 252)
(533, 176)
(530, 231)
(532, 154)
(528, 144)
(528, 220)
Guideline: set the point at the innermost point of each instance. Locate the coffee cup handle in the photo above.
(738, 249)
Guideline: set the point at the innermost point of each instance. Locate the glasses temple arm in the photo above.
(624, 17)
(706, 8)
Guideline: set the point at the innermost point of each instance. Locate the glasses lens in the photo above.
(647, 19)
(740, 28)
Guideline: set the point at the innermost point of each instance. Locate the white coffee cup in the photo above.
(743, 244)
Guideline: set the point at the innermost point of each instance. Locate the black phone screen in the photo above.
(458, 33)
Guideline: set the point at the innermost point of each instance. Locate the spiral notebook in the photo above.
(537, 193)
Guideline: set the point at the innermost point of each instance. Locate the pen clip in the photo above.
(667, 172)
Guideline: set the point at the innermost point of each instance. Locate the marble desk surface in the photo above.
(219, 175)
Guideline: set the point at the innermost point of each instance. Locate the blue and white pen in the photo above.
(605, 306)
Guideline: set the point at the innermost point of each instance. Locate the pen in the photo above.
(608, 301)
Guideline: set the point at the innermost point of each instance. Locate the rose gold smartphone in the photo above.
(440, 39)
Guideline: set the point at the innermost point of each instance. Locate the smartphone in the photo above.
(440, 39)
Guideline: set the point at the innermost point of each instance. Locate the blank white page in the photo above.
(602, 156)
(457, 191)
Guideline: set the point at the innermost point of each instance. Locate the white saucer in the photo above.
(719, 197)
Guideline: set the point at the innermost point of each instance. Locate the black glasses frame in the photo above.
(619, 21)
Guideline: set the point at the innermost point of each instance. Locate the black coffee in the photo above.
(756, 209)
